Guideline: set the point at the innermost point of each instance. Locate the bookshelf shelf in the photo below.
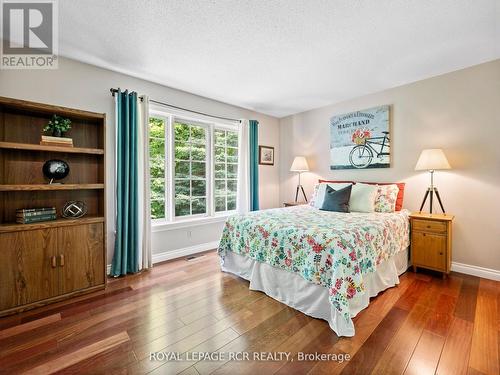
(49, 187)
(35, 147)
(16, 227)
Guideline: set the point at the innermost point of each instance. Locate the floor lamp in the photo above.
(299, 165)
(431, 160)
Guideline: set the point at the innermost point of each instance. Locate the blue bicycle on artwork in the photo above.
(362, 154)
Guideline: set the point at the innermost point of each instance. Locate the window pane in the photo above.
(199, 188)
(157, 188)
(182, 207)
(231, 202)
(220, 187)
(220, 204)
(220, 137)
(232, 155)
(199, 205)
(232, 170)
(231, 186)
(220, 154)
(197, 134)
(182, 151)
(157, 209)
(181, 132)
(157, 168)
(198, 170)
(232, 139)
(181, 169)
(182, 189)
(220, 170)
(198, 152)
(157, 147)
(156, 127)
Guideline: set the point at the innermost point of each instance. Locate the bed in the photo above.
(324, 264)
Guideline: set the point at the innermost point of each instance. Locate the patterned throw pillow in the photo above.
(386, 198)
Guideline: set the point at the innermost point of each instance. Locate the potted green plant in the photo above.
(58, 126)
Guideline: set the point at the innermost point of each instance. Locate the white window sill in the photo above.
(160, 225)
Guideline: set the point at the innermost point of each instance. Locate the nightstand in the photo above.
(290, 204)
(431, 241)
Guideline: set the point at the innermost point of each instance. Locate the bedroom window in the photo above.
(193, 167)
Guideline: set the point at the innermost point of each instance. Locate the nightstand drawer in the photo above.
(429, 226)
(429, 250)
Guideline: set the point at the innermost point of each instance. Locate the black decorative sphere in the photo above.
(55, 169)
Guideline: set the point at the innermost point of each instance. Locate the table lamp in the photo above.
(299, 165)
(431, 160)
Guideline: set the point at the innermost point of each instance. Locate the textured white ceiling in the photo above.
(281, 57)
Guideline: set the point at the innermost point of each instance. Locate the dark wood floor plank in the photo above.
(396, 356)
(466, 304)
(79, 355)
(425, 358)
(16, 330)
(484, 351)
(412, 294)
(367, 356)
(454, 358)
(297, 341)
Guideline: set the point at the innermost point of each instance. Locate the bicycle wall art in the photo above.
(360, 139)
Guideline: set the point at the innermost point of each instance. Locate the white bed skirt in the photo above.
(311, 299)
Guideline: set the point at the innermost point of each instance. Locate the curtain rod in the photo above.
(114, 91)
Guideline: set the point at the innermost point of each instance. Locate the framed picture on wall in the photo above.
(266, 155)
(361, 139)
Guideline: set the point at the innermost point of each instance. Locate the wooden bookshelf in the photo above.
(63, 257)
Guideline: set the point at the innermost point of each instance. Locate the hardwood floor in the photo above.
(425, 325)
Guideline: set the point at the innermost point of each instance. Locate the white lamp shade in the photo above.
(432, 159)
(299, 165)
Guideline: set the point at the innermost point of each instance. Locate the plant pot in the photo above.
(57, 133)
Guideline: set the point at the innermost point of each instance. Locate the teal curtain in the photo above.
(254, 164)
(126, 255)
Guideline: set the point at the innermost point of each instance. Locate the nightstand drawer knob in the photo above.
(428, 226)
(441, 253)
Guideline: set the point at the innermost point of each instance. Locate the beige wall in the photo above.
(459, 112)
(83, 86)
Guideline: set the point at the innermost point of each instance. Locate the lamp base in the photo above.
(430, 193)
(299, 187)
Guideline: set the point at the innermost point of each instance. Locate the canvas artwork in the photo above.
(360, 139)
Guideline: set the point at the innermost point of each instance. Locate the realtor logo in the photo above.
(29, 34)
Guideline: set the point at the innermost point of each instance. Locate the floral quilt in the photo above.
(331, 249)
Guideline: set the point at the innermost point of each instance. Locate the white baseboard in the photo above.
(178, 253)
(468, 269)
(172, 254)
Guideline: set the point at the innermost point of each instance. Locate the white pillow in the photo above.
(320, 194)
(363, 198)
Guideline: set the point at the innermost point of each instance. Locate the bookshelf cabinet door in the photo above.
(80, 256)
(28, 272)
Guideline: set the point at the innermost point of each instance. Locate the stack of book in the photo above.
(56, 141)
(35, 215)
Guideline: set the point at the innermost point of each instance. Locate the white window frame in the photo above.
(170, 220)
(221, 127)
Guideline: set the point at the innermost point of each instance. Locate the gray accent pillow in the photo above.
(337, 200)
